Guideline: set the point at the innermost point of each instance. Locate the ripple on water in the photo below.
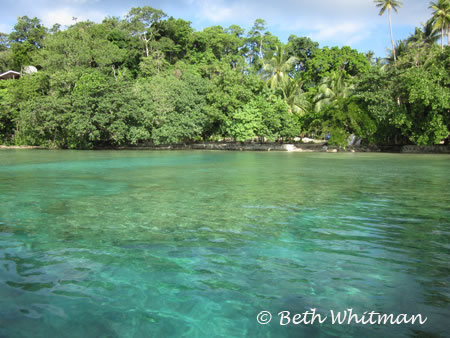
(197, 243)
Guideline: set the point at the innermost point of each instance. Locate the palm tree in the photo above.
(277, 69)
(296, 98)
(417, 37)
(427, 35)
(332, 88)
(441, 16)
(389, 4)
(430, 34)
(401, 47)
(369, 56)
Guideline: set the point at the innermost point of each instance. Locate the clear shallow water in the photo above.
(196, 244)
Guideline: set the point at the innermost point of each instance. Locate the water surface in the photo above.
(196, 244)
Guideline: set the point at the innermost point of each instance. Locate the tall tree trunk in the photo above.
(260, 47)
(392, 38)
(144, 38)
(260, 50)
(442, 36)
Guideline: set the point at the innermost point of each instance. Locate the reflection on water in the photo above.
(136, 243)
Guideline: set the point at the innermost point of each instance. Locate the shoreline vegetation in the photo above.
(148, 78)
(271, 146)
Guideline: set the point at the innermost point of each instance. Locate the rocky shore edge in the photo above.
(295, 147)
(288, 147)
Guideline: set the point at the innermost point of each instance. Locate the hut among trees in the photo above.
(10, 74)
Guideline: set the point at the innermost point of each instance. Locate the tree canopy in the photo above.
(150, 78)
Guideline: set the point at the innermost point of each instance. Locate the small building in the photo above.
(10, 74)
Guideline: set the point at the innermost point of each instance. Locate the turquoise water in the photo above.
(196, 244)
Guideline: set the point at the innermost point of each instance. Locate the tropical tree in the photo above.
(28, 30)
(331, 89)
(255, 37)
(25, 39)
(425, 35)
(142, 22)
(302, 48)
(83, 45)
(441, 16)
(430, 34)
(179, 32)
(370, 56)
(389, 5)
(296, 98)
(326, 60)
(278, 67)
(4, 42)
(400, 48)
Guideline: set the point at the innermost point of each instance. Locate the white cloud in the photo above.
(65, 16)
(347, 32)
(218, 11)
(4, 28)
(61, 16)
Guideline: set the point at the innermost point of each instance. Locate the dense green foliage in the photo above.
(152, 79)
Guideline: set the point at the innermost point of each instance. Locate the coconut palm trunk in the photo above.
(389, 4)
(441, 17)
(392, 37)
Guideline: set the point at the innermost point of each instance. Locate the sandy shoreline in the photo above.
(20, 147)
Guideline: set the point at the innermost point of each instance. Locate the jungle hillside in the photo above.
(148, 78)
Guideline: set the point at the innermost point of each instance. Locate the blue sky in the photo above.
(353, 23)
